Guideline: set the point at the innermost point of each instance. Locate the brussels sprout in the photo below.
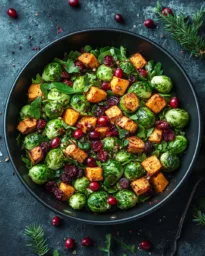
(52, 72)
(53, 110)
(169, 161)
(177, 118)
(178, 145)
(58, 97)
(104, 73)
(134, 170)
(40, 174)
(25, 112)
(81, 184)
(32, 140)
(129, 103)
(145, 117)
(110, 143)
(113, 171)
(126, 199)
(55, 159)
(162, 84)
(53, 128)
(77, 201)
(123, 156)
(79, 103)
(97, 201)
(127, 67)
(79, 84)
(141, 89)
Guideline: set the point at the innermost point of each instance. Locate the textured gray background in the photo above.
(40, 19)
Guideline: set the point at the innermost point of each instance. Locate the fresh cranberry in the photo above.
(65, 75)
(69, 243)
(94, 135)
(161, 125)
(78, 134)
(124, 183)
(56, 221)
(108, 61)
(41, 124)
(132, 79)
(118, 18)
(58, 194)
(79, 64)
(168, 134)
(102, 155)
(55, 143)
(91, 162)
(105, 86)
(65, 178)
(149, 23)
(145, 245)
(143, 72)
(73, 3)
(45, 146)
(94, 186)
(96, 145)
(71, 170)
(51, 186)
(103, 121)
(166, 11)
(118, 72)
(100, 111)
(86, 241)
(112, 101)
(174, 102)
(115, 132)
(148, 148)
(12, 13)
(68, 82)
(112, 200)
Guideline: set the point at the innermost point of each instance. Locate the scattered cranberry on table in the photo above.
(145, 245)
(69, 243)
(103, 121)
(94, 186)
(73, 3)
(94, 135)
(55, 143)
(118, 18)
(91, 162)
(149, 23)
(41, 124)
(56, 221)
(105, 86)
(108, 61)
(174, 102)
(118, 72)
(86, 241)
(112, 200)
(143, 72)
(78, 134)
(12, 13)
(166, 11)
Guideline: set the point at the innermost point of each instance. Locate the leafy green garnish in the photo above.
(34, 109)
(122, 133)
(90, 80)
(162, 147)
(153, 70)
(27, 161)
(87, 48)
(68, 65)
(199, 218)
(149, 131)
(107, 247)
(117, 54)
(56, 253)
(141, 132)
(37, 80)
(166, 96)
(73, 55)
(61, 87)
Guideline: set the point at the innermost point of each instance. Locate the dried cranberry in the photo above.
(94, 186)
(69, 243)
(55, 143)
(168, 134)
(86, 241)
(112, 200)
(96, 145)
(94, 135)
(118, 73)
(143, 72)
(45, 147)
(73, 3)
(162, 125)
(145, 245)
(65, 75)
(78, 134)
(112, 101)
(58, 194)
(41, 124)
(51, 186)
(174, 102)
(71, 170)
(65, 178)
(80, 173)
(124, 183)
(148, 148)
(149, 23)
(105, 86)
(108, 61)
(100, 111)
(166, 11)
(102, 155)
(103, 121)
(12, 13)
(118, 18)
(68, 82)
(79, 64)
(132, 79)
(56, 220)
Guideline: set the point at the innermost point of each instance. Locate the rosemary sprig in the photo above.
(183, 32)
(131, 248)
(36, 239)
(107, 247)
(199, 218)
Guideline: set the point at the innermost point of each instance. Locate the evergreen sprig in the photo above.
(183, 31)
(199, 218)
(36, 239)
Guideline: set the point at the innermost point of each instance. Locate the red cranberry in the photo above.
(108, 61)
(143, 72)
(69, 243)
(94, 135)
(118, 18)
(56, 221)
(41, 124)
(79, 64)
(124, 183)
(174, 102)
(149, 23)
(105, 86)
(65, 75)
(55, 143)
(166, 11)
(100, 111)
(51, 186)
(87, 241)
(112, 101)
(112, 200)
(71, 170)
(58, 194)
(168, 134)
(148, 148)
(91, 162)
(145, 245)
(115, 132)
(68, 82)
(78, 134)
(96, 145)
(102, 155)
(12, 13)
(65, 178)
(161, 125)
(103, 121)
(73, 3)
(132, 79)
(118, 72)
(94, 186)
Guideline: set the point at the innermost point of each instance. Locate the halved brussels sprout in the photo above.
(55, 159)
(25, 112)
(126, 199)
(97, 202)
(32, 140)
(113, 171)
(81, 184)
(145, 117)
(162, 83)
(129, 103)
(123, 156)
(79, 103)
(52, 72)
(104, 73)
(141, 89)
(58, 97)
(79, 84)
(40, 174)
(110, 144)
(77, 201)
(178, 145)
(134, 170)
(169, 161)
(54, 128)
(53, 110)
(177, 118)
(127, 67)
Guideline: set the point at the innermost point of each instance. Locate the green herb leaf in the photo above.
(70, 67)
(199, 218)
(87, 48)
(27, 161)
(143, 198)
(141, 132)
(102, 55)
(123, 52)
(149, 131)
(107, 247)
(130, 248)
(56, 253)
(166, 96)
(73, 55)
(61, 87)
(37, 80)
(122, 133)
(34, 110)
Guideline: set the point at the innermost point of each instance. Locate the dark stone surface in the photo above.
(40, 20)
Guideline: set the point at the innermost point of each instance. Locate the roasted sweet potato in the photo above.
(35, 155)
(76, 153)
(159, 182)
(156, 136)
(70, 116)
(94, 173)
(119, 85)
(140, 186)
(96, 95)
(127, 124)
(113, 113)
(87, 123)
(152, 165)
(156, 103)
(27, 125)
(136, 145)
(34, 91)
(68, 190)
(138, 60)
(89, 60)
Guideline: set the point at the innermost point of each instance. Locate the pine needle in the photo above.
(199, 218)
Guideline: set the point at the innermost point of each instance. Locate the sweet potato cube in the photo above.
(76, 153)
(35, 155)
(140, 186)
(89, 60)
(119, 85)
(34, 91)
(152, 165)
(156, 136)
(70, 116)
(94, 173)
(96, 95)
(156, 103)
(136, 145)
(87, 123)
(113, 113)
(27, 125)
(68, 190)
(131, 102)
(138, 60)
(102, 131)
(127, 124)
(159, 182)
